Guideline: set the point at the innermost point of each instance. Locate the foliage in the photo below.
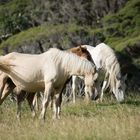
(14, 17)
(122, 28)
(39, 33)
(19, 15)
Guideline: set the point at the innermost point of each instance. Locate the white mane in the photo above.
(71, 62)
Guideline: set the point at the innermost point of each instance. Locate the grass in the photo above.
(120, 43)
(102, 121)
(124, 26)
(42, 32)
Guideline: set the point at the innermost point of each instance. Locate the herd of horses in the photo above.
(49, 72)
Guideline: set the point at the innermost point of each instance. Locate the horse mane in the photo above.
(113, 76)
(82, 52)
(71, 61)
(112, 66)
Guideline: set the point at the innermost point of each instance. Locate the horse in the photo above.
(106, 64)
(7, 86)
(47, 72)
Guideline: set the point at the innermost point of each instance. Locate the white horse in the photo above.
(47, 72)
(106, 63)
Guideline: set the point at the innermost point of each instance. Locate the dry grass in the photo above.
(104, 121)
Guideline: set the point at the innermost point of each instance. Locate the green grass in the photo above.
(125, 26)
(40, 33)
(102, 121)
(120, 43)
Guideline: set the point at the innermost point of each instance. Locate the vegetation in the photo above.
(68, 23)
(122, 28)
(104, 121)
(14, 17)
(119, 29)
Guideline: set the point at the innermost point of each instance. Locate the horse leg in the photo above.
(20, 98)
(46, 99)
(35, 102)
(8, 87)
(102, 90)
(1, 90)
(97, 90)
(53, 103)
(87, 95)
(74, 88)
(30, 99)
(57, 100)
(2, 87)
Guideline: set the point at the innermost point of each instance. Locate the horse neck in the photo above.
(79, 66)
(71, 63)
(81, 69)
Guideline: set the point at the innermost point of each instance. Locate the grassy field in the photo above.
(102, 121)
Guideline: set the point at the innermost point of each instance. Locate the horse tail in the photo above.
(4, 65)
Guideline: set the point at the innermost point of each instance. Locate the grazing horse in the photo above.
(106, 62)
(47, 72)
(7, 86)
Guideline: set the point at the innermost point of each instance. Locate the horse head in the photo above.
(120, 88)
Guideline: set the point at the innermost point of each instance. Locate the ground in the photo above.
(102, 121)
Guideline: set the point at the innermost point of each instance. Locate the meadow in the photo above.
(108, 120)
(102, 121)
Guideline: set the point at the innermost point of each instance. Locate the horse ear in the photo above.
(82, 47)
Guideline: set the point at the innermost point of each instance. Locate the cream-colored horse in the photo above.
(7, 86)
(47, 72)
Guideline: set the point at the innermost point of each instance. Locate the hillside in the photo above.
(33, 26)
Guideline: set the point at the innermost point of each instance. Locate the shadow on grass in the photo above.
(132, 102)
(107, 104)
(127, 102)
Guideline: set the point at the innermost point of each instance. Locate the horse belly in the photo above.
(31, 82)
(30, 87)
